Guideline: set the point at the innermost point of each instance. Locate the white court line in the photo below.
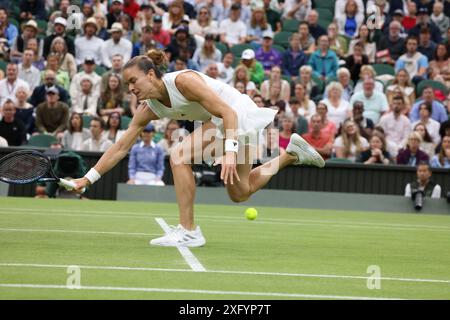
(206, 292)
(77, 231)
(256, 273)
(188, 256)
(127, 215)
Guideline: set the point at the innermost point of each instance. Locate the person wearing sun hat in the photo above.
(89, 44)
(29, 31)
(117, 44)
(254, 67)
(59, 30)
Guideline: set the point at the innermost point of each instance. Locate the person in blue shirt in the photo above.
(324, 61)
(146, 163)
(413, 61)
(442, 159)
(293, 58)
(8, 31)
(438, 110)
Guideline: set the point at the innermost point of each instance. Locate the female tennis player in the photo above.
(228, 114)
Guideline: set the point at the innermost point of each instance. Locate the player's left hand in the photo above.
(229, 172)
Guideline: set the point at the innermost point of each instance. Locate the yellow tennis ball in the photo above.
(251, 213)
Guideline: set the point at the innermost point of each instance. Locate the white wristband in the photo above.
(231, 145)
(92, 175)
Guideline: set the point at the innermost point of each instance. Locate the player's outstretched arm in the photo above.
(120, 149)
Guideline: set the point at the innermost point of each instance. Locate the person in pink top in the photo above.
(328, 126)
(287, 129)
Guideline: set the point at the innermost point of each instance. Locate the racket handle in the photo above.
(69, 185)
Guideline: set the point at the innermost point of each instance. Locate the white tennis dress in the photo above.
(250, 117)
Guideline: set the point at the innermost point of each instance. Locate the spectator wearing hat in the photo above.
(32, 9)
(8, 30)
(117, 44)
(52, 115)
(61, 11)
(423, 20)
(59, 30)
(85, 100)
(439, 18)
(233, 30)
(207, 54)
(89, 44)
(427, 47)
(324, 61)
(88, 71)
(12, 129)
(115, 11)
(146, 163)
(182, 39)
(29, 32)
(97, 142)
(11, 83)
(293, 58)
(411, 155)
(159, 34)
(254, 67)
(266, 55)
(391, 46)
(28, 72)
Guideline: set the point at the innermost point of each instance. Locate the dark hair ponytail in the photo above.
(154, 60)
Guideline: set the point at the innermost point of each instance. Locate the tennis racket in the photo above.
(29, 166)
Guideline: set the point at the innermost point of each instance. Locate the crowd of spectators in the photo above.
(356, 91)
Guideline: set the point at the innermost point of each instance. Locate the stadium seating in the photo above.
(3, 65)
(327, 4)
(125, 121)
(222, 47)
(434, 84)
(42, 140)
(237, 49)
(282, 38)
(290, 25)
(86, 121)
(325, 14)
(279, 48)
(382, 69)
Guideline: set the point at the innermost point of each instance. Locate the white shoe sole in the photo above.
(304, 152)
(190, 244)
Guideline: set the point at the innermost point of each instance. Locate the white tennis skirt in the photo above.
(251, 118)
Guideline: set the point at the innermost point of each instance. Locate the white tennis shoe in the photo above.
(305, 154)
(180, 237)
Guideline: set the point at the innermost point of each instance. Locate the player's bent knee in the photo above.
(239, 197)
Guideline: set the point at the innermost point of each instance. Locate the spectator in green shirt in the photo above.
(254, 67)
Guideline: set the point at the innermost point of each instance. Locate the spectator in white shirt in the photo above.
(28, 72)
(395, 124)
(116, 45)
(97, 142)
(338, 108)
(297, 9)
(89, 71)
(10, 84)
(233, 30)
(89, 44)
(85, 100)
(225, 68)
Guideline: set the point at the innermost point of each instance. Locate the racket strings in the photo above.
(24, 167)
